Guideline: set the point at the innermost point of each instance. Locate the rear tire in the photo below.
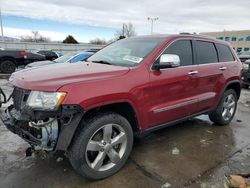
(7, 66)
(226, 109)
(102, 147)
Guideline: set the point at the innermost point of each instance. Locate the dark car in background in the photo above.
(72, 57)
(49, 54)
(11, 59)
(244, 56)
(246, 74)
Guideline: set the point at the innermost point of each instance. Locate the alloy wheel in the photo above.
(228, 107)
(106, 147)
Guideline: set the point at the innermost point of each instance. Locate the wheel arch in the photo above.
(10, 58)
(123, 108)
(235, 85)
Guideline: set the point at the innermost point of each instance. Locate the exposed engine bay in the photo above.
(47, 130)
(46, 134)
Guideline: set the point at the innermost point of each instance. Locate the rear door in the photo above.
(173, 90)
(230, 66)
(211, 73)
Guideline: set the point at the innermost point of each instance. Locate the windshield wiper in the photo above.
(102, 62)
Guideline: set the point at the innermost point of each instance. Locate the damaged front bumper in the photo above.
(43, 130)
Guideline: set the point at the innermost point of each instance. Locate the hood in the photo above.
(51, 78)
(39, 63)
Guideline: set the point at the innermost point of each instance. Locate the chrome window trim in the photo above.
(191, 39)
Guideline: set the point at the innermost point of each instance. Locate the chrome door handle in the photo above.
(193, 72)
(223, 68)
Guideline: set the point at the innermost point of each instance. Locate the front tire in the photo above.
(102, 147)
(226, 109)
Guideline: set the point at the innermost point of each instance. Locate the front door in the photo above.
(172, 91)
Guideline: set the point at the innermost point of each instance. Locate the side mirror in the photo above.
(167, 61)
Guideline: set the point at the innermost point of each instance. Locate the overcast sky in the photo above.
(174, 16)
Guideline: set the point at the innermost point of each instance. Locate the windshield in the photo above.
(80, 57)
(126, 52)
(65, 57)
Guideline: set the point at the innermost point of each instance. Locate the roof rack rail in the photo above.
(185, 33)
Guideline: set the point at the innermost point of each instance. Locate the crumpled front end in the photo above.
(43, 129)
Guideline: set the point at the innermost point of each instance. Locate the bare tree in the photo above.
(128, 30)
(34, 37)
(98, 41)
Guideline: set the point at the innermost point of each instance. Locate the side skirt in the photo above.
(171, 123)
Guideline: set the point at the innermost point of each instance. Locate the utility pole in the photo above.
(1, 25)
(152, 23)
(123, 30)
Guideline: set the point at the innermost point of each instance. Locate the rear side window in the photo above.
(41, 52)
(183, 49)
(224, 53)
(50, 53)
(206, 52)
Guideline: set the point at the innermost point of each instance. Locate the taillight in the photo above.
(24, 54)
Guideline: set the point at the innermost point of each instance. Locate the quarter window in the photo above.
(224, 52)
(206, 52)
(182, 48)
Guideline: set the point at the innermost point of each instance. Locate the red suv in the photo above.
(93, 110)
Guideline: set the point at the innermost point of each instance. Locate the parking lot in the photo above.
(194, 153)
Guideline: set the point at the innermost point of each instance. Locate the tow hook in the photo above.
(3, 98)
(29, 151)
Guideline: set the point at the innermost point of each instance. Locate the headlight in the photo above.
(45, 100)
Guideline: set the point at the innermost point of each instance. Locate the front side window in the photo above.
(126, 52)
(224, 52)
(182, 48)
(206, 52)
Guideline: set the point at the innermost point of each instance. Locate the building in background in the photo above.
(240, 40)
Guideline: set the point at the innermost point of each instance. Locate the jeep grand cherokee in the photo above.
(93, 110)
